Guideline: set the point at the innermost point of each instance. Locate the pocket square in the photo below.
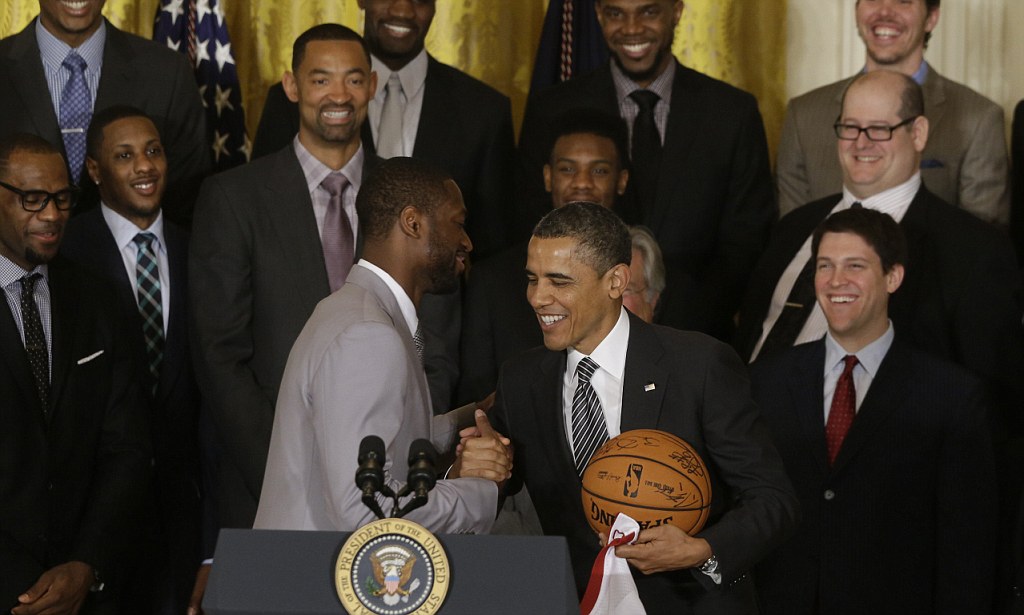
(85, 360)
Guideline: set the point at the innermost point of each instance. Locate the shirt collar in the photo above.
(662, 85)
(405, 304)
(895, 201)
(315, 171)
(124, 230)
(412, 75)
(610, 354)
(869, 357)
(11, 272)
(52, 50)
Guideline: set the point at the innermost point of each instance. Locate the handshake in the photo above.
(483, 453)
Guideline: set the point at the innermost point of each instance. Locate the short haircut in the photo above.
(23, 142)
(911, 97)
(877, 229)
(393, 185)
(325, 32)
(104, 118)
(654, 265)
(592, 122)
(601, 236)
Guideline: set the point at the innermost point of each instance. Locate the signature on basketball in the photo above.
(688, 461)
(633, 442)
(680, 498)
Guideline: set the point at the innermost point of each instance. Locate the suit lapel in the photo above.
(882, 402)
(431, 134)
(64, 325)
(644, 382)
(29, 83)
(549, 422)
(681, 131)
(15, 357)
(175, 343)
(806, 388)
(118, 73)
(935, 94)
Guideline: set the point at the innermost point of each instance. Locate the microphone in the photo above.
(370, 475)
(422, 474)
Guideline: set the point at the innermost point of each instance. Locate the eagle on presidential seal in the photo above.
(392, 569)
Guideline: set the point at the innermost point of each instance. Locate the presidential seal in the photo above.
(392, 567)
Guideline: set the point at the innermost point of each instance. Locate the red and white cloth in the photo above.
(611, 590)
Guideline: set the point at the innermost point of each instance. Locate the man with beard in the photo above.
(271, 239)
(964, 162)
(413, 221)
(699, 171)
(74, 457)
(412, 115)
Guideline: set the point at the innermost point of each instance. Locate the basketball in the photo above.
(652, 476)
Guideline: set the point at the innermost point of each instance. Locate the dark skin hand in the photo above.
(195, 603)
(60, 590)
(663, 548)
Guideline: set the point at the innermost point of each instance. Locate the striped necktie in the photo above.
(588, 425)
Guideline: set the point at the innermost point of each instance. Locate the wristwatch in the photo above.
(710, 568)
(97, 582)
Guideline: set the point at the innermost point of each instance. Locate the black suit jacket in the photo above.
(959, 299)
(1017, 181)
(465, 128)
(497, 321)
(701, 394)
(135, 72)
(904, 521)
(71, 484)
(715, 201)
(174, 410)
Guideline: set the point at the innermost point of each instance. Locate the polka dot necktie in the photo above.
(588, 425)
(75, 113)
(844, 404)
(35, 340)
(150, 299)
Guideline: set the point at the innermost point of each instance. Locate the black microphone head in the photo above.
(421, 448)
(371, 445)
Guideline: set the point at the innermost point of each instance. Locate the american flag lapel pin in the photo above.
(649, 387)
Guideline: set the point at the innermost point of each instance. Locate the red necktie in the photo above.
(844, 405)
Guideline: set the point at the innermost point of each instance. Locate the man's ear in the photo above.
(618, 280)
(547, 177)
(291, 87)
(93, 168)
(620, 186)
(893, 278)
(410, 221)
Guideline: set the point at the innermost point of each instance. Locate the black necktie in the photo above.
(35, 340)
(645, 156)
(794, 313)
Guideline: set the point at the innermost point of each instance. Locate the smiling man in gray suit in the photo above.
(965, 161)
(356, 370)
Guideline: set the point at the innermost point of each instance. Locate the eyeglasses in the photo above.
(37, 200)
(849, 132)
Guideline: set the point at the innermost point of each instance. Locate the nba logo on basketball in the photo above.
(631, 487)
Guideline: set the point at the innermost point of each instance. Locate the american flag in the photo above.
(570, 44)
(197, 29)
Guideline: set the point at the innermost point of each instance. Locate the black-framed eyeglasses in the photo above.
(37, 200)
(849, 132)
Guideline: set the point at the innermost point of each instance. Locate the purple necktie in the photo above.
(337, 236)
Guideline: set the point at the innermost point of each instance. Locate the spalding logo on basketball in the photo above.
(652, 476)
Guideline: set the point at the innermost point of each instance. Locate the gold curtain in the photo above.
(740, 41)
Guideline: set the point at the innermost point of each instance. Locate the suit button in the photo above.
(830, 495)
(50, 486)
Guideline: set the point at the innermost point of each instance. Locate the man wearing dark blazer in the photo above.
(127, 161)
(709, 200)
(643, 376)
(461, 124)
(257, 265)
(959, 299)
(74, 456)
(129, 70)
(887, 447)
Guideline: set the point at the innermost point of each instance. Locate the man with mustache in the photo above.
(965, 161)
(272, 238)
(74, 452)
(699, 171)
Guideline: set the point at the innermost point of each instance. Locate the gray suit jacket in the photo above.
(354, 372)
(964, 163)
